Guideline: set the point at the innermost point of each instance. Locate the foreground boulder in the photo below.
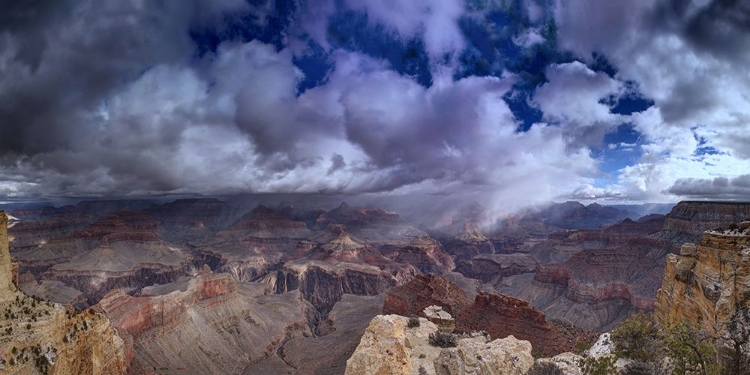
(389, 346)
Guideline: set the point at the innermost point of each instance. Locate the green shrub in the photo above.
(604, 365)
(413, 322)
(638, 338)
(544, 368)
(442, 339)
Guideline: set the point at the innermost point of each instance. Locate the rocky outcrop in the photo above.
(568, 363)
(473, 355)
(707, 283)
(389, 347)
(43, 337)
(412, 298)
(440, 318)
(499, 315)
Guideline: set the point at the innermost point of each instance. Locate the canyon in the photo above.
(602, 277)
(302, 279)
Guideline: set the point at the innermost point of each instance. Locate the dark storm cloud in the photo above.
(719, 27)
(27, 18)
(64, 58)
(79, 54)
(717, 188)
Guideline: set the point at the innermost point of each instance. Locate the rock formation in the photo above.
(39, 337)
(499, 315)
(440, 318)
(707, 283)
(389, 347)
(412, 298)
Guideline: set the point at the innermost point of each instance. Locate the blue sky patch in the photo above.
(620, 148)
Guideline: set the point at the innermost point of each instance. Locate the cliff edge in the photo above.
(706, 283)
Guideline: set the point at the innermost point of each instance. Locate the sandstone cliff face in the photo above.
(707, 283)
(389, 347)
(39, 337)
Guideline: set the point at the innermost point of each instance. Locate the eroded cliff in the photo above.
(707, 283)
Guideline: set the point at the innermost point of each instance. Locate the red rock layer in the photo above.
(501, 316)
(497, 314)
(423, 291)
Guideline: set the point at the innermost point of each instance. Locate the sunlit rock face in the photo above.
(43, 337)
(707, 283)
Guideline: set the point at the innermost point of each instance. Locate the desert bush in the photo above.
(413, 322)
(604, 365)
(544, 368)
(645, 368)
(690, 350)
(442, 339)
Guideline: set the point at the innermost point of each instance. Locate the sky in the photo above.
(509, 103)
